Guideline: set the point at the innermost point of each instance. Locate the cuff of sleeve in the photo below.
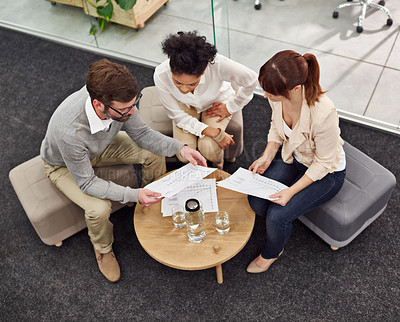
(274, 138)
(201, 129)
(193, 128)
(232, 107)
(315, 172)
(131, 195)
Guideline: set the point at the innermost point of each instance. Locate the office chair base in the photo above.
(360, 29)
(364, 4)
(257, 4)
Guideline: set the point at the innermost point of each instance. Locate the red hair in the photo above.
(287, 69)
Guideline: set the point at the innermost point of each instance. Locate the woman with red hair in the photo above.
(304, 149)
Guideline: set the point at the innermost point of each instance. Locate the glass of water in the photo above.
(178, 217)
(222, 222)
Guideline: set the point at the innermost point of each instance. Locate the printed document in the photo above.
(253, 184)
(204, 190)
(179, 179)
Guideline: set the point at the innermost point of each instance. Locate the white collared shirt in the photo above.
(215, 86)
(95, 122)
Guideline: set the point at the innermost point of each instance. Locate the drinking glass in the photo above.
(222, 222)
(178, 217)
(195, 227)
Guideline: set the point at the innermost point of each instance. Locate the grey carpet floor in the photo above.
(310, 282)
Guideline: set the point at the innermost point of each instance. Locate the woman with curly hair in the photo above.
(194, 85)
(304, 149)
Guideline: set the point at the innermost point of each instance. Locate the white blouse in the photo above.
(214, 87)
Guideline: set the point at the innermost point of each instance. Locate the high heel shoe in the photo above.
(254, 268)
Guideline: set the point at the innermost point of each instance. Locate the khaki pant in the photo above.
(122, 150)
(206, 145)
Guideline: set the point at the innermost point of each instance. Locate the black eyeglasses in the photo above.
(128, 109)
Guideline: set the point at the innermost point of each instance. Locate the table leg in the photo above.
(220, 279)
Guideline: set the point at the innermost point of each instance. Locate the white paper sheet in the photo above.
(204, 190)
(179, 179)
(253, 184)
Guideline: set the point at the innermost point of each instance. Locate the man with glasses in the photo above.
(98, 126)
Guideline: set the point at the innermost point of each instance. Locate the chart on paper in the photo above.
(253, 184)
(178, 180)
(204, 190)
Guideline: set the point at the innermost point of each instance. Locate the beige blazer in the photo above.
(315, 137)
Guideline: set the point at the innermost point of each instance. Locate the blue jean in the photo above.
(279, 218)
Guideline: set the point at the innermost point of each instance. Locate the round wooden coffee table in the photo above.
(170, 246)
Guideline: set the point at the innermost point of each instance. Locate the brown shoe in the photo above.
(254, 268)
(108, 266)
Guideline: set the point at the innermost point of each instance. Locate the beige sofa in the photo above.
(53, 215)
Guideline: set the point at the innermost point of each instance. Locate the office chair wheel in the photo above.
(360, 29)
(382, 2)
(335, 14)
(257, 6)
(389, 22)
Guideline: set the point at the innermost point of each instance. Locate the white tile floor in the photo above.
(360, 71)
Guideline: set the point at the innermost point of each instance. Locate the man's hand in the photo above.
(218, 109)
(147, 197)
(193, 156)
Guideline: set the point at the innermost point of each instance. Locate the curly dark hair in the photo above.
(188, 53)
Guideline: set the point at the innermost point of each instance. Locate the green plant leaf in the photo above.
(92, 30)
(102, 23)
(126, 4)
(99, 10)
(106, 11)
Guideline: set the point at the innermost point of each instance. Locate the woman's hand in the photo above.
(216, 134)
(226, 141)
(260, 165)
(282, 197)
(218, 109)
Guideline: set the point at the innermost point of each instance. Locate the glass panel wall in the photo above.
(360, 71)
(220, 24)
(209, 18)
(66, 21)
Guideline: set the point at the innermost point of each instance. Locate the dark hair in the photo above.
(188, 53)
(107, 81)
(287, 69)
